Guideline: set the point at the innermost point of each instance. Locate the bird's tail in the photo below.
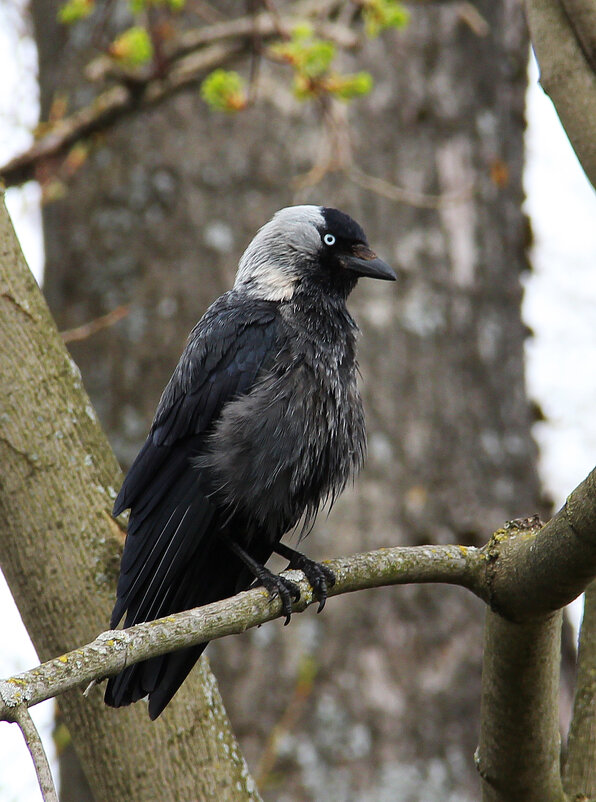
(174, 559)
(208, 578)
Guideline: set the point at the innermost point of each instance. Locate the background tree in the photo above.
(161, 225)
(451, 454)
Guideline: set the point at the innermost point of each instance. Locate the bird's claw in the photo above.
(287, 591)
(320, 577)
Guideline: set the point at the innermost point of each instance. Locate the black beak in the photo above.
(365, 262)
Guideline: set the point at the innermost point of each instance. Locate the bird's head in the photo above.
(308, 246)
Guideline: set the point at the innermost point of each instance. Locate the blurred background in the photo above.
(476, 366)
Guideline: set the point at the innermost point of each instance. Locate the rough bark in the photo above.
(580, 767)
(518, 755)
(563, 38)
(59, 551)
(158, 217)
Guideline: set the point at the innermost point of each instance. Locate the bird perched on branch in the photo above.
(260, 425)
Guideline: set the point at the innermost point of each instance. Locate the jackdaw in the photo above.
(260, 425)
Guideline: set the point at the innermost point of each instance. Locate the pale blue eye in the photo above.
(329, 239)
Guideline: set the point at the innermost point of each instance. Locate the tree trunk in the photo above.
(59, 552)
(378, 696)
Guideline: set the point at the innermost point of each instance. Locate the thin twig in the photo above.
(409, 196)
(22, 717)
(287, 721)
(469, 14)
(93, 326)
(187, 59)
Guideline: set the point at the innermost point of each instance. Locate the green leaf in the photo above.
(348, 87)
(309, 56)
(74, 10)
(133, 47)
(382, 14)
(137, 6)
(224, 90)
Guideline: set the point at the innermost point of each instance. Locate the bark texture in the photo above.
(563, 38)
(379, 696)
(59, 551)
(519, 753)
(580, 768)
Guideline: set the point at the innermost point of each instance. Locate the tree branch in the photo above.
(566, 69)
(518, 755)
(580, 767)
(535, 570)
(187, 59)
(35, 746)
(111, 651)
(525, 572)
(112, 105)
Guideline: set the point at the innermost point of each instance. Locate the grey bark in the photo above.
(564, 41)
(158, 218)
(580, 768)
(519, 753)
(59, 550)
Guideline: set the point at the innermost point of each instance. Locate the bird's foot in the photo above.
(287, 590)
(320, 577)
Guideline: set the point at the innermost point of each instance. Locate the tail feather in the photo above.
(174, 559)
(209, 580)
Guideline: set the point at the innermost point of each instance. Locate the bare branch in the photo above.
(525, 572)
(40, 761)
(93, 326)
(111, 651)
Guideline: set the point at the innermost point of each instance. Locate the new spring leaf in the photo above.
(132, 48)
(224, 90)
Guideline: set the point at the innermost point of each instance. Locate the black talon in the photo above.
(287, 590)
(275, 585)
(319, 576)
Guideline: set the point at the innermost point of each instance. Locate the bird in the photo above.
(260, 425)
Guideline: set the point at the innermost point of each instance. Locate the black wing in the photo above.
(172, 558)
(170, 511)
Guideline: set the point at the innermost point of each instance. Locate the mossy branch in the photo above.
(113, 650)
(525, 572)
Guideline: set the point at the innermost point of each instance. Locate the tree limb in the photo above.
(518, 755)
(534, 571)
(113, 650)
(525, 573)
(566, 69)
(35, 746)
(187, 59)
(579, 775)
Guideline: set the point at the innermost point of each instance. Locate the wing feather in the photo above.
(172, 519)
